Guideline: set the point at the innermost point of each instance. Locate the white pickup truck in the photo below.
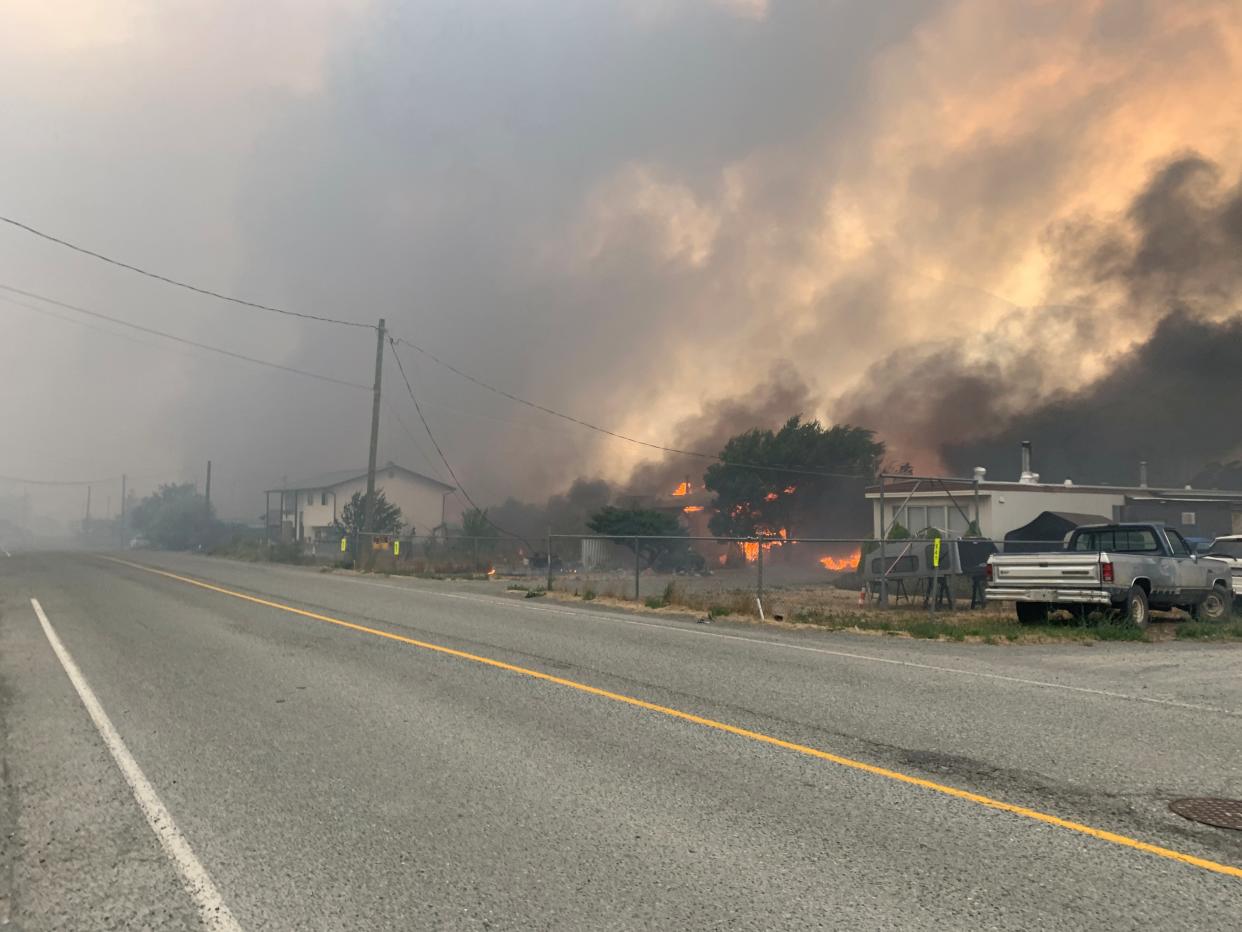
(1131, 568)
(1229, 549)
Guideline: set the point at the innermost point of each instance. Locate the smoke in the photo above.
(1178, 244)
(628, 211)
(768, 404)
(1163, 276)
(1171, 402)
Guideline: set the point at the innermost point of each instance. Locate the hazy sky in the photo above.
(623, 210)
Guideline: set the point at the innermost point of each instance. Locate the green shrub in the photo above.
(1209, 631)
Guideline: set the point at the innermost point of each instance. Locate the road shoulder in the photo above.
(78, 852)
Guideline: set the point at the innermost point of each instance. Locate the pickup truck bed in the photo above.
(1065, 578)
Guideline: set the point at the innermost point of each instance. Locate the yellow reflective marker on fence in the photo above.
(342, 545)
(936, 553)
(396, 548)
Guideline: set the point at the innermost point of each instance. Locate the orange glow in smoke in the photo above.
(840, 564)
(771, 497)
(683, 489)
(691, 509)
(491, 571)
(790, 489)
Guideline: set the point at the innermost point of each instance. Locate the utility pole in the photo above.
(122, 499)
(208, 508)
(368, 521)
(88, 504)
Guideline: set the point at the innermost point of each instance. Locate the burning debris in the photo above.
(842, 564)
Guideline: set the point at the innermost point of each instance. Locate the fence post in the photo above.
(549, 586)
(883, 555)
(637, 570)
(759, 568)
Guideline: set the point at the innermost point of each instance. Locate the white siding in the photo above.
(1000, 510)
(421, 502)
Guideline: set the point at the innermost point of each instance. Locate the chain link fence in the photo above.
(763, 575)
(423, 554)
(758, 576)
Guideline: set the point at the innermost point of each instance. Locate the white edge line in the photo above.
(608, 617)
(194, 877)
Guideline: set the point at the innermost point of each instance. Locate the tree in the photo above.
(474, 523)
(387, 515)
(175, 517)
(624, 524)
(753, 501)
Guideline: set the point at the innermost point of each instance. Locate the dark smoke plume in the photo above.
(1171, 402)
(769, 404)
(1169, 267)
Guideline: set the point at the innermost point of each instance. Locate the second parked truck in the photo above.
(1127, 568)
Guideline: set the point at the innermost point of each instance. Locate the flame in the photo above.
(491, 571)
(750, 548)
(790, 489)
(683, 489)
(691, 509)
(723, 559)
(771, 497)
(840, 564)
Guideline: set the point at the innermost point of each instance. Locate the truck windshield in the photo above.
(1226, 548)
(1118, 540)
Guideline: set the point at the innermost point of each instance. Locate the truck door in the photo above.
(1189, 575)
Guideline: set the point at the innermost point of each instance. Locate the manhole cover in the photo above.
(1223, 813)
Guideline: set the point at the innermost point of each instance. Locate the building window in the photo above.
(1188, 519)
(958, 522)
(323, 498)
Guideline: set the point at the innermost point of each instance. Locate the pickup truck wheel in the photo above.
(1032, 613)
(1215, 605)
(1138, 612)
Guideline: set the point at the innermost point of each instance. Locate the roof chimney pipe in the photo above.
(1142, 474)
(1026, 476)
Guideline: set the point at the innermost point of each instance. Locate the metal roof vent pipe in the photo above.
(980, 473)
(1026, 476)
(1142, 474)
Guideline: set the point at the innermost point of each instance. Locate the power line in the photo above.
(180, 284)
(431, 467)
(432, 437)
(184, 340)
(59, 482)
(793, 470)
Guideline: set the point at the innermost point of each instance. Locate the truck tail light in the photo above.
(1106, 571)
(989, 572)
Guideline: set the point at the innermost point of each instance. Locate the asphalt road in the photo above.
(567, 768)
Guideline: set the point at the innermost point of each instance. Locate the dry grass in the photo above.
(838, 610)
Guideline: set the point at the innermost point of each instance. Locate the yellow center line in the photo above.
(1033, 814)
